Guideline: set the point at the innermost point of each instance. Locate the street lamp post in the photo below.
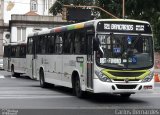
(123, 9)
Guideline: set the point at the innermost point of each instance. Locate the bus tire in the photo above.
(77, 88)
(41, 79)
(13, 73)
(125, 96)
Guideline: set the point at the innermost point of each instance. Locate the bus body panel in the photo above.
(76, 63)
(15, 57)
(6, 63)
(52, 67)
(55, 74)
(104, 87)
(58, 67)
(31, 66)
(19, 65)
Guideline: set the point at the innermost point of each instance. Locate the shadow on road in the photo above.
(97, 98)
(111, 98)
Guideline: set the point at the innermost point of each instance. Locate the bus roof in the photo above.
(83, 25)
(15, 43)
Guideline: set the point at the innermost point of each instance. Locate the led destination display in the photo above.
(123, 27)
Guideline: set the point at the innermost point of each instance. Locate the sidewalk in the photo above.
(157, 71)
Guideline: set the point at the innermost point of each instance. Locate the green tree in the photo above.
(57, 7)
(148, 10)
(112, 6)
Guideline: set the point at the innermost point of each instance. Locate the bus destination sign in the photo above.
(123, 27)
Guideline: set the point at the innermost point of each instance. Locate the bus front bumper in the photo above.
(122, 87)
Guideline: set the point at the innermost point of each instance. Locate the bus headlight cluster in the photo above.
(102, 77)
(148, 78)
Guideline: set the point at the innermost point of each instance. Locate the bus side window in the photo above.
(51, 44)
(83, 43)
(58, 43)
(12, 51)
(68, 43)
(77, 43)
(41, 49)
(6, 51)
(80, 42)
(43, 44)
(30, 46)
(38, 45)
(17, 51)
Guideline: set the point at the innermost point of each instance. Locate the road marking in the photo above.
(1, 77)
(13, 77)
(30, 97)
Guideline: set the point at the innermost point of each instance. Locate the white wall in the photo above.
(1, 9)
(28, 31)
(49, 4)
(14, 34)
(40, 7)
(20, 7)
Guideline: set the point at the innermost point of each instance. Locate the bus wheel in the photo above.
(125, 96)
(42, 81)
(13, 73)
(77, 87)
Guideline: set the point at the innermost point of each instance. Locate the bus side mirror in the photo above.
(96, 44)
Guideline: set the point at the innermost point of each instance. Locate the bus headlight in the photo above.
(102, 77)
(148, 78)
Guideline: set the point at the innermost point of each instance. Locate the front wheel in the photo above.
(77, 88)
(42, 80)
(13, 73)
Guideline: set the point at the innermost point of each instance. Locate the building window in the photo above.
(34, 5)
(18, 34)
(21, 34)
(46, 4)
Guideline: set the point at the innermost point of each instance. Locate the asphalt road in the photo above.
(23, 96)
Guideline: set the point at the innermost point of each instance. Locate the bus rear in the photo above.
(124, 57)
(15, 58)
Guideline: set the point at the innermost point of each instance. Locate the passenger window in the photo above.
(58, 43)
(80, 43)
(68, 43)
(30, 46)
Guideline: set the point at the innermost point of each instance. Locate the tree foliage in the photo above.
(148, 10)
(57, 7)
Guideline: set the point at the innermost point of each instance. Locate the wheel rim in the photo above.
(77, 87)
(12, 71)
(41, 80)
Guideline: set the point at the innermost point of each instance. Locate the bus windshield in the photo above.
(125, 51)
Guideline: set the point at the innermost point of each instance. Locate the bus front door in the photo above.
(31, 59)
(90, 61)
(34, 67)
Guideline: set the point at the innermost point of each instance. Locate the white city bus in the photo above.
(99, 56)
(14, 58)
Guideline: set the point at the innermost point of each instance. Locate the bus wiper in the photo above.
(121, 65)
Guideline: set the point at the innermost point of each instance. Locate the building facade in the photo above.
(18, 18)
(41, 7)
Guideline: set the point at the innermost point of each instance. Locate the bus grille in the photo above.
(126, 74)
(123, 79)
(126, 86)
